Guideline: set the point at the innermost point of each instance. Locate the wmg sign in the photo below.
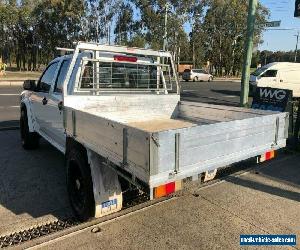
(271, 99)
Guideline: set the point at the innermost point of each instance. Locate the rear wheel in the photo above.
(80, 185)
(30, 140)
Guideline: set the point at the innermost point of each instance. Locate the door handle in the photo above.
(44, 101)
(60, 105)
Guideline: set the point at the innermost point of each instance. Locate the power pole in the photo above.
(248, 53)
(296, 50)
(166, 29)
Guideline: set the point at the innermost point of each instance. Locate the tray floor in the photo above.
(157, 125)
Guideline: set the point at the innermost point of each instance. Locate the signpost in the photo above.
(248, 53)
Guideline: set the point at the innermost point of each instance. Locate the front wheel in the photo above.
(80, 185)
(210, 79)
(30, 140)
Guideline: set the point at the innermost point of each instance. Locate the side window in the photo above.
(44, 84)
(61, 76)
(270, 73)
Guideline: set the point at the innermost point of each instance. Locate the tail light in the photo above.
(166, 189)
(267, 156)
(125, 58)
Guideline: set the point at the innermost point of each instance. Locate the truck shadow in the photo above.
(32, 184)
(284, 176)
(227, 92)
(194, 97)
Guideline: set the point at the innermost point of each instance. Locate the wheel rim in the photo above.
(76, 187)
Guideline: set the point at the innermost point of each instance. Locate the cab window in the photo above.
(45, 82)
(61, 76)
(270, 73)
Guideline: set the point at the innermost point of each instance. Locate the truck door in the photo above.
(40, 97)
(268, 79)
(55, 105)
(289, 80)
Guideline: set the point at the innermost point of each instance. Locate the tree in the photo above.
(30, 30)
(223, 33)
(125, 25)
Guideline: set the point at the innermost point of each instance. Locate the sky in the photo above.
(284, 40)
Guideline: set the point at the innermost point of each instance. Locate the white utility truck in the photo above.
(115, 112)
(280, 75)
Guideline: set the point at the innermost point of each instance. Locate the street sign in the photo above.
(273, 24)
(297, 8)
(275, 100)
(271, 99)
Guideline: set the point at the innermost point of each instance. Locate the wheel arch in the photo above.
(26, 106)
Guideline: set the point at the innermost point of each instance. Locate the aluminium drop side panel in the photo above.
(105, 137)
(207, 147)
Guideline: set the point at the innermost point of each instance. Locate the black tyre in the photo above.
(195, 79)
(30, 140)
(186, 80)
(80, 185)
(210, 79)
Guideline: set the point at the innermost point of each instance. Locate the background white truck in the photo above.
(116, 114)
(280, 75)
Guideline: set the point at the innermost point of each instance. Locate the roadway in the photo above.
(9, 105)
(218, 92)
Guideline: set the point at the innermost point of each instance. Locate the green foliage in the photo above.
(265, 56)
(31, 30)
(222, 33)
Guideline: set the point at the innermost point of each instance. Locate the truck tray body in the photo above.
(161, 144)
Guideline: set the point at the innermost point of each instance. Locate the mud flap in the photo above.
(210, 175)
(106, 187)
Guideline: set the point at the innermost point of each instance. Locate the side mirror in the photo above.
(29, 85)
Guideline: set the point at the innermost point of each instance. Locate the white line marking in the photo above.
(10, 94)
(4, 107)
(230, 96)
(186, 90)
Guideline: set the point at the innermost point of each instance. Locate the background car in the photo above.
(196, 75)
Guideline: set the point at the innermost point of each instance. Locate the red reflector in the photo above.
(268, 156)
(125, 58)
(170, 188)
